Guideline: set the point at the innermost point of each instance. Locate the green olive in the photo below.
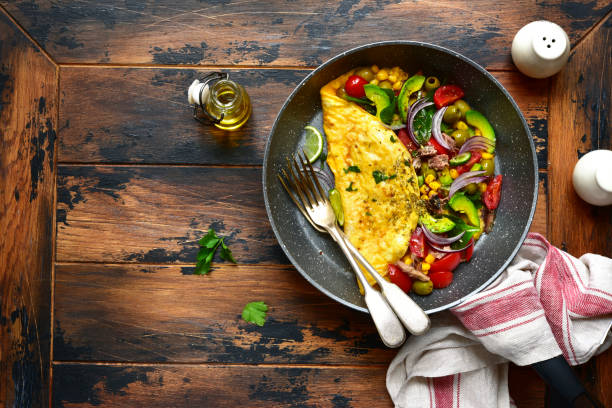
(488, 165)
(471, 188)
(386, 84)
(341, 93)
(432, 83)
(366, 73)
(422, 288)
(462, 106)
(451, 115)
(460, 136)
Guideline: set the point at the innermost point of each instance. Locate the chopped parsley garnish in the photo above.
(368, 214)
(406, 163)
(414, 153)
(209, 244)
(350, 187)
(354, 169)
(323, 158)
(393, 140)
(255, 312)
(379, 176)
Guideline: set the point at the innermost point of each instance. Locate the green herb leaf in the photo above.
(255, 312)
(379, 176)
(422, 125)
(406, 163)
(208, 246)
(210, 239)
(226, 253)
(368, 214)
(350, 187)
(393, 140)
(323, 158)
(414, 153)
(354, 169)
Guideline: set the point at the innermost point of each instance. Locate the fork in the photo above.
(317, 210)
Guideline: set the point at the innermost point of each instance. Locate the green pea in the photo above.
(386, 84)
(460, 136)
(341, 93)
(451, 115)
(488, 165)
(462, 106)
(432, 83)
(366, 73)
(422, 288)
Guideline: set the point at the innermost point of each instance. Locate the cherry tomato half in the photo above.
(417, 243)
(354, 86)
(441, 279)
(398, 277)
(439, 148)
(467, 253)
(403, 136)
(447, 263)
(447, 94)
(493, 193)
(475, 158)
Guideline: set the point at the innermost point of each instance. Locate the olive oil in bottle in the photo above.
(221, 101)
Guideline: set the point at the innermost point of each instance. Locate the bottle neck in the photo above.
(225, 95)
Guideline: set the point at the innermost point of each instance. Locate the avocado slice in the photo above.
(436, 225)
(412, 84)
(384, 99)
(460, 203)
(477, 120)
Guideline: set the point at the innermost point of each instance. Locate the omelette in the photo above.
(374, 175)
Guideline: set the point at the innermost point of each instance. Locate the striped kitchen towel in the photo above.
(545, 304)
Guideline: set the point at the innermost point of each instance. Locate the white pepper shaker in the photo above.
(540, 49)
(592, 177)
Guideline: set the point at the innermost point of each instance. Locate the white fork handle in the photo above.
(389, 327)
(411, 314)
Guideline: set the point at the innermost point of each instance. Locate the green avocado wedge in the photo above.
(476, 119)
(460, 203)
(384, 99)
(436, 225)
(412, 84)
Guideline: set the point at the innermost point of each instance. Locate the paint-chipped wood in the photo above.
(283, 32)
(28, 112)
(142, 115)
(218, 386)
(161, 313)
(580, 118)
(540, 217)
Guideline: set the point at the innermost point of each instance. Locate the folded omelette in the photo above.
(375, 178)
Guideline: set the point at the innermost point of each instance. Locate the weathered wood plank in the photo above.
(142, 116)
(282, 32)
(540, 217)
(28, 116)
(580, 118)
(218, 386)
(157, 313)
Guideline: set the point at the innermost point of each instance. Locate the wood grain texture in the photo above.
(28, 115)
(155, 313)
(282, 32)
(580, 118)
(157, 214)
(142, 115)
(218, 386)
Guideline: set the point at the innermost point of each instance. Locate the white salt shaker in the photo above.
(540, 49)
(593, 177)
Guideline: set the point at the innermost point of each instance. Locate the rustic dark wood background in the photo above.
(107, 183)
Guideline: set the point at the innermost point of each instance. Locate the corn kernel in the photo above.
(382, 75)
(407, 259)
(487, 155)
(482, 187)
(435, 185)
(396, 70)
(454, 173)
(461, 125)
(396, 117)
(392, 78)
(429, 178)
(424, 197)
(477, 235)
(432, 193)
(424, 189)
(375, 69)
(425, 267)
(477, 132)
(374, 81)
(397, 86)
(430, 259)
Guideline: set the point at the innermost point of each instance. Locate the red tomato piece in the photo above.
(447, 263)
(475, 158)
(441, 279)
(417, 243)
(354, 86)
(439, 148)
(467, 253)
(398, 277)
(447, 94)
(404, 137)
(493, 193)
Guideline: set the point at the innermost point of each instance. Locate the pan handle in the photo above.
(565, 390)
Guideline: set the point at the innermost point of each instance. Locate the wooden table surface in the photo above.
(107, 183)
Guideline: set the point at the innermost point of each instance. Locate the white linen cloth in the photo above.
(545, 304)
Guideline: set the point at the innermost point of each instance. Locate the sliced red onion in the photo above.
(436, 122)
(325, 178)
(465, 179)
(449, 250)
(414, 109)
(475, 143)
(437, 239)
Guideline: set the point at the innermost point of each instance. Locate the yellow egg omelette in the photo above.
(375, 178)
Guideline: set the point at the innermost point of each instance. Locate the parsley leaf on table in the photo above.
(255, 312)
(209, 244)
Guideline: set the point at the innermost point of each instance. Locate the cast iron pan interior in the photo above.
(317, 257)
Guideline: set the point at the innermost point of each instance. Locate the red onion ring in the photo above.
(414, 109)
(453, 250)
(436, 131)
(465, 179)
(438, 240)
(475, 143)
(325, 178)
